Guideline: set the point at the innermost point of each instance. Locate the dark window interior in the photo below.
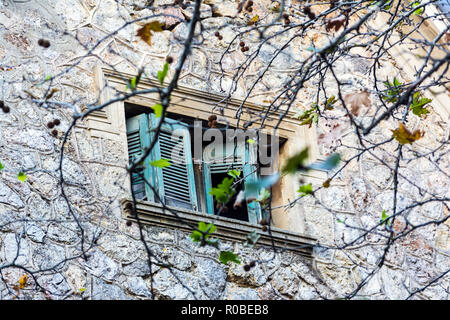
(228, 211)
(132, 110)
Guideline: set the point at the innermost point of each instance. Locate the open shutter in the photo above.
(250, 173)
(230, 158)
(243, 160)
(138, 139)
(176, 183)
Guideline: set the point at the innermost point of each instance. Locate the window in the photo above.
(187, 181)
(198, 105)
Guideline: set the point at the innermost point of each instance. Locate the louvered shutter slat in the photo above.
(138, 139)
(250, 173)
(177, 180)
(242, 158)
(134, 152)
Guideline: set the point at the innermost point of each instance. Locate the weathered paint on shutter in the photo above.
(244, 161)
(232, 161)
(212, 168)
(138, 139)
(250, 173)
(207, 187)
(176, 182)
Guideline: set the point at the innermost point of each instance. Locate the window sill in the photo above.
(151, 213)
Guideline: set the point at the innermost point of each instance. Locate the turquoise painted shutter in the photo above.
(207, 185)
(176, 183)
(138, 139)
(250, 173)
(212, 168)
(244, 161)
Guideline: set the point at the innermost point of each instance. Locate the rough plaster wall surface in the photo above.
(96, 181)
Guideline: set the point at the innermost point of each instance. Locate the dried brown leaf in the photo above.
(253, 20)
(356, 100)
(23, 281)
(145, 33)
(326, 183)
(336, 23)
(51, 93)
(404, 136)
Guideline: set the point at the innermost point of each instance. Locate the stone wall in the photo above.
(37, 229)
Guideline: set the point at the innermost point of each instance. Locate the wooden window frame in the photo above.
(142, 124)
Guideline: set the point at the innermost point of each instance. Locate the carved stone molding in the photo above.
(184, 100)
(108, 122)
(154, 214)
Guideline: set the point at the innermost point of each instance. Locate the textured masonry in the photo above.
(36, 229)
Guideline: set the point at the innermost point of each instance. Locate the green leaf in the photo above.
(162, 74)
(47, 78)
(296, 162)
(227, 256)
(308, 121)
(1, 166)
(418, 104)
(309, 116)
(234, 173)
(419, 110)
(196, 236)
(133, 82)
(82, 290)
(251, 141)
(210, 228)
(204, 232)
(419, 11)
(384, 217)
(21, 176)
(315, 118)
(332, 161)
(329, 103)
(224, 191)
(158, 109)
(220, 195)
(263, 196)
(393, 90)
(330, 100)
(305, 190)
(161, 163)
